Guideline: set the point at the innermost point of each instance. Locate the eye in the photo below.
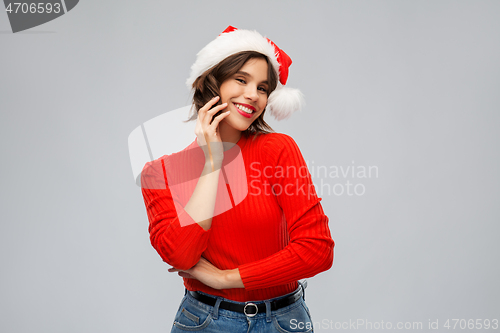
(241, 81)
(263, 89)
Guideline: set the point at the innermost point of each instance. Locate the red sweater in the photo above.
(275, 235)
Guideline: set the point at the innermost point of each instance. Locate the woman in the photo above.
(239, 219)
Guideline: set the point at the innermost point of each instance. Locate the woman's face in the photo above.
(245, 94)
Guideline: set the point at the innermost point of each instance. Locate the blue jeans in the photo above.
(194, 315)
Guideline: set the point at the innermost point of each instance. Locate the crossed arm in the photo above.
(309, 252)
(208, 274)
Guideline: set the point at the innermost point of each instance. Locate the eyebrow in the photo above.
(248, 75)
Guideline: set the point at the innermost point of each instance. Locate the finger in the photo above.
(210, 129)
(218, 119)
(207, 106)
(210, 113)
(185, 275)
(210, 103)
(217, 108)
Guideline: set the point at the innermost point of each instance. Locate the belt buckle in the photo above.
(250, 314)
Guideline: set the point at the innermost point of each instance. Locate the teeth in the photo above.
(243, 108)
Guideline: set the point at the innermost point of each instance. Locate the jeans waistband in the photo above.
(251, 308)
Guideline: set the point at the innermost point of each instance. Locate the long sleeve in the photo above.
(179, 246)
(310, 246)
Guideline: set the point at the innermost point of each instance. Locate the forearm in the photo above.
(210, 275)
(173, 233)
(309, 252)
(286, 266)
(202, 202)
(232, 279)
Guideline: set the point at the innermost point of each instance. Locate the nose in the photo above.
(251, 93)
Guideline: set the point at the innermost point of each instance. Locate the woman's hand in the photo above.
(207, 133)
(205, 272)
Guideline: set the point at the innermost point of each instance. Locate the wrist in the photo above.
(216, 166)
(232, 279)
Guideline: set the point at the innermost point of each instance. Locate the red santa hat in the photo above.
(283, 101)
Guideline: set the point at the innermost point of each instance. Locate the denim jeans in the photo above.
(194, 315)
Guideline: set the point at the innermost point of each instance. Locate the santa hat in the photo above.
(283, 101)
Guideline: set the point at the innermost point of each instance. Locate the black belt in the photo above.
(250, 309)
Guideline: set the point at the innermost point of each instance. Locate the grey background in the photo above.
(408, 86)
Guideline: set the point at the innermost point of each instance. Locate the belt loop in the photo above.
(303, 285)
(216, 308)
(185, 291)
(268, 310)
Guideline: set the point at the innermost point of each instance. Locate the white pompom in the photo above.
(284, 101)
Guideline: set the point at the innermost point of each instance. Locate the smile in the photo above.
(244, 108)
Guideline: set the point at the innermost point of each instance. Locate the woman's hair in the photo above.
(207, 85)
